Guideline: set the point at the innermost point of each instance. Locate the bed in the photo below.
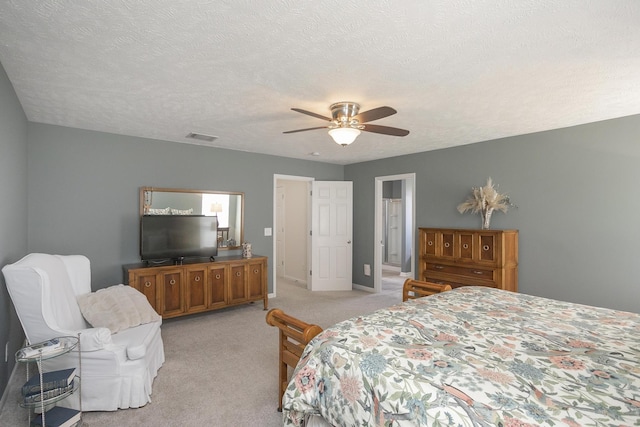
(472, 356)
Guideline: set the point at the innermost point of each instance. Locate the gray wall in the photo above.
(83, 190)
(13, 214)
(576, 188)
(578, 197)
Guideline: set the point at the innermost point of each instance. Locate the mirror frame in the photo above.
(144, 205)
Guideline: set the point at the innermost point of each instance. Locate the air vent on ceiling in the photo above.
(202, 137)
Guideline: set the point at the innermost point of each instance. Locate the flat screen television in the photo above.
(164, 237)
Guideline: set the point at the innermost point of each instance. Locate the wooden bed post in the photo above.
(293, 338)
(415, 289)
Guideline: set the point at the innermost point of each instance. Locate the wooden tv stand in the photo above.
(178, 290)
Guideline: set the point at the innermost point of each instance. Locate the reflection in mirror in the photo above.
(228, 207)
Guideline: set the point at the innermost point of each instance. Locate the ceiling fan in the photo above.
(346, 122)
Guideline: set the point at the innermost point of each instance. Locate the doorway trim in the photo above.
(377, 268)
(276, 178)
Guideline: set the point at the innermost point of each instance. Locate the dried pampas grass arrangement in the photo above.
(485, 200)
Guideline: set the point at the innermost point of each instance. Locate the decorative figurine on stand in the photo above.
(246, 250)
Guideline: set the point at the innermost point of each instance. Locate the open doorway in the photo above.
(394, 231)
(291, 225)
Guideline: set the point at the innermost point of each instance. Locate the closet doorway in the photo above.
(292, 219)
(394, 231)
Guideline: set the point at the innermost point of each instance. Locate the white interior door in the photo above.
(331, 235)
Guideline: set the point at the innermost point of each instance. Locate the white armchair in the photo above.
(117, 369)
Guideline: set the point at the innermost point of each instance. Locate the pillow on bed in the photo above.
(117, 307)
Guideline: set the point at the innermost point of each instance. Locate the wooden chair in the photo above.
(294, 337)
(416, 289)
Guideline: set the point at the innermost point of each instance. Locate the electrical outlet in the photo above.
(367, 270)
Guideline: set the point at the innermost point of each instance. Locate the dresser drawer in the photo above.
(453, 283)
(462, 276)
(478, 273)
(456, 281)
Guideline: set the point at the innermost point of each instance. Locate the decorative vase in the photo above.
(486, 218)
(246, 250)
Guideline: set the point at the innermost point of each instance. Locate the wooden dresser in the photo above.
(178, 290)
(462, 257)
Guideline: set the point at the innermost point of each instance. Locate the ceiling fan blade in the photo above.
(309, 113)
(386, 130)
(302, 130)
(375, 114)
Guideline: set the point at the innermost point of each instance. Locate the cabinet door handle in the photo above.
(197, 278)
(217, 276)
(147, 284)
(172, 282)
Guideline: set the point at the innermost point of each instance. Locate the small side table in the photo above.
(28, 355)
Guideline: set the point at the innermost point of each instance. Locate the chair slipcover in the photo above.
(117, 369)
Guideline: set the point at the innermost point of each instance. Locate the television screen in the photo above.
(178, 236)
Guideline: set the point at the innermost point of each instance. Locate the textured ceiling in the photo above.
(457, 71)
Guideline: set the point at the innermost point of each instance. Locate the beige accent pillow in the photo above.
(117, 307)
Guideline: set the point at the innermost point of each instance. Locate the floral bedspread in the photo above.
(473, 357)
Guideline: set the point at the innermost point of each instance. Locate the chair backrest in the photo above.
(44, 294)
(416, 289)
(294, 337)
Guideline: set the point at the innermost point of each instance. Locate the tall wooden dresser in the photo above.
(463, 257)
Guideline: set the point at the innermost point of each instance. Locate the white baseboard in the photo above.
(295, 279)
(363, 288)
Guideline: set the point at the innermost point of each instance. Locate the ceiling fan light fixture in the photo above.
(344, 136)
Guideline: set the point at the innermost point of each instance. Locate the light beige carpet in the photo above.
(221, 367)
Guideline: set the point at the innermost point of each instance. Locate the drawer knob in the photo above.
(217, 276)
(439, 267)
(430, 243)
(172, 282)
(238, 274)
(255, 271)
(478, 272)
(147, 284)
(466, 246)
(486, 247)
(197, 278)
(446, 245)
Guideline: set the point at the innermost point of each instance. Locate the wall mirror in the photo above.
(228, 207)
